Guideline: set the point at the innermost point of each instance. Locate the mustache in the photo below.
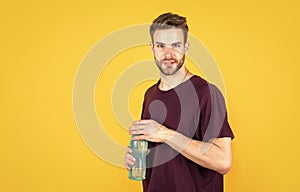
(170, 59)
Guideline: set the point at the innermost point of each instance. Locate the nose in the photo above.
(168, 52)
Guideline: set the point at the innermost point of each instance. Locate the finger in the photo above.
(139, 137)
(127, 166)
(129, 161)
(130, 158)
(141, 122)
(128, 150)
(137, 126)
(138, 129)
(138, 132)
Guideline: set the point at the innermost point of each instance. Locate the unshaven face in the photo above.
(168, 48)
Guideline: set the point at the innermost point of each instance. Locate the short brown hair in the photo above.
(168, 21)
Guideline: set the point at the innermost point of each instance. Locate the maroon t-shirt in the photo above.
(196, 109)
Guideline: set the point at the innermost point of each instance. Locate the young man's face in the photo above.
(168, 48)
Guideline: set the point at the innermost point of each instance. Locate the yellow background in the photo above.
(255, 43)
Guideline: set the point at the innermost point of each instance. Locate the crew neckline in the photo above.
(166, 91)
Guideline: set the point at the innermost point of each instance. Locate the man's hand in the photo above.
(150, 130)
(129, 159)
(217, 155)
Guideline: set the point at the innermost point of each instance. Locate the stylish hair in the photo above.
(168, 21)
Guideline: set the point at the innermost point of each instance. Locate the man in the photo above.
(184, 119)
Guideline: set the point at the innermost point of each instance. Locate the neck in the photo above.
(168, 82)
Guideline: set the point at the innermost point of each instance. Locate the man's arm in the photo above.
(214, 155)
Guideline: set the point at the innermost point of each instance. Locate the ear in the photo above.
(151, 48)
(186, 47)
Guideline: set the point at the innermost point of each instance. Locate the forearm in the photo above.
(215, 155)
(207, 154)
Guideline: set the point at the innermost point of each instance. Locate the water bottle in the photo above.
(139, 152)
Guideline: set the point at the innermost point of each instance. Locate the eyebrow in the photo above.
(171, 44)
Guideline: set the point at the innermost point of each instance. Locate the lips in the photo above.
(169, 62)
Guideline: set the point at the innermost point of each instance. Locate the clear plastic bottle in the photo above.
(139, 151)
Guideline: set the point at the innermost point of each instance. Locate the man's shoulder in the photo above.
(203, 87)
(199, 83)
(151, 89)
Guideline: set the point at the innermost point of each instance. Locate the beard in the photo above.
(173, 65)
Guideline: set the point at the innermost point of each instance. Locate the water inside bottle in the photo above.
(139, 151)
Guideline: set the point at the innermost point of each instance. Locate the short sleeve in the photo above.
(213, 115)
